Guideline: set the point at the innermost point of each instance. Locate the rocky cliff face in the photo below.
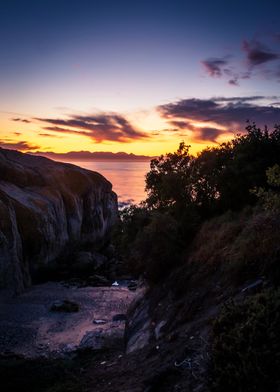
(45, 208)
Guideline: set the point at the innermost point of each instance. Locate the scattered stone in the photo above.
(93, 340)
(69, 347)
(65, 306)
(99, 321)
(158, 329)
(119, 317)
(132, 285)
(115, 283)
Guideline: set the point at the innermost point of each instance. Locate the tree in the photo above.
(168, 180)
(218, 179)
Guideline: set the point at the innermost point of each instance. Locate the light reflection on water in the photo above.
(128, 178)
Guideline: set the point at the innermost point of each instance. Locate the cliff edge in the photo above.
(45, 208)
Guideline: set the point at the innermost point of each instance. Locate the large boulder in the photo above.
(46, 208)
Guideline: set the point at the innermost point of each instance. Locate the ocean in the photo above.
(127, 178)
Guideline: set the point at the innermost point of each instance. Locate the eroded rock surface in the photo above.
(46, 208)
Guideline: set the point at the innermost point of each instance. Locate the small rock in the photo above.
(65, 306)
(93, 340)
(69, 347)
(158, 329)
(99, 321)
(115, 283)
(119, 317)
(132, 285)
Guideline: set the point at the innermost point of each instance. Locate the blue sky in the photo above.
(61, 59)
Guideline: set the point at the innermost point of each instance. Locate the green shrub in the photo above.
(246, 345)
(270, 198)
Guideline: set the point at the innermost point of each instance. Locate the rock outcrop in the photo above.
(45, 208)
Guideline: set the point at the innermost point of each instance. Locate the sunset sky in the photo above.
(137, 77)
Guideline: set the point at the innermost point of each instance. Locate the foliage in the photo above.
(246, 345)
(149, 241)
(168, 180)
(156, 249)
(218, 179)
(185, 191)
(270, 198)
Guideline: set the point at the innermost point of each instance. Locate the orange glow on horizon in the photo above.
(161, 137)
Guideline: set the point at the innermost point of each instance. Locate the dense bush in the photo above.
(185, 192)
(150, 242)
(246, 346)
(270, 198)
(218, 179)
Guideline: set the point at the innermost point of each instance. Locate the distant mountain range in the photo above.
(93, 156)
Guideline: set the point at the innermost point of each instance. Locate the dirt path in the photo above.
(29, 328)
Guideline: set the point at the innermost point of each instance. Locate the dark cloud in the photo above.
(66, 130)
(208, 134)
(245, 99)
(229, 113)
(49, 135)
(197, 133)
(257, 56)
(99, 127)
(234, 82)
(214, 66)
(220, 67)
(180, 124)
(24, 120)
(21, 146)
(257, 53)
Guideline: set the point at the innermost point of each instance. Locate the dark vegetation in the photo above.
(48, 375)
(247, 345)
(214, 220)
(185, 193)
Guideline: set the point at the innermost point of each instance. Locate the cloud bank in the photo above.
(98, 127)
(208, 119)
(21, 145)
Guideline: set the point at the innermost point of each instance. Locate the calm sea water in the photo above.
(128, 178)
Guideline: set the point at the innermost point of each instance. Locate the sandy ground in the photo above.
(29, 328)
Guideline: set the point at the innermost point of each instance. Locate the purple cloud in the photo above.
(214, 66)
(99, 127)
(229, 113)
(24, 120)
(207, 134)
(257, 53)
